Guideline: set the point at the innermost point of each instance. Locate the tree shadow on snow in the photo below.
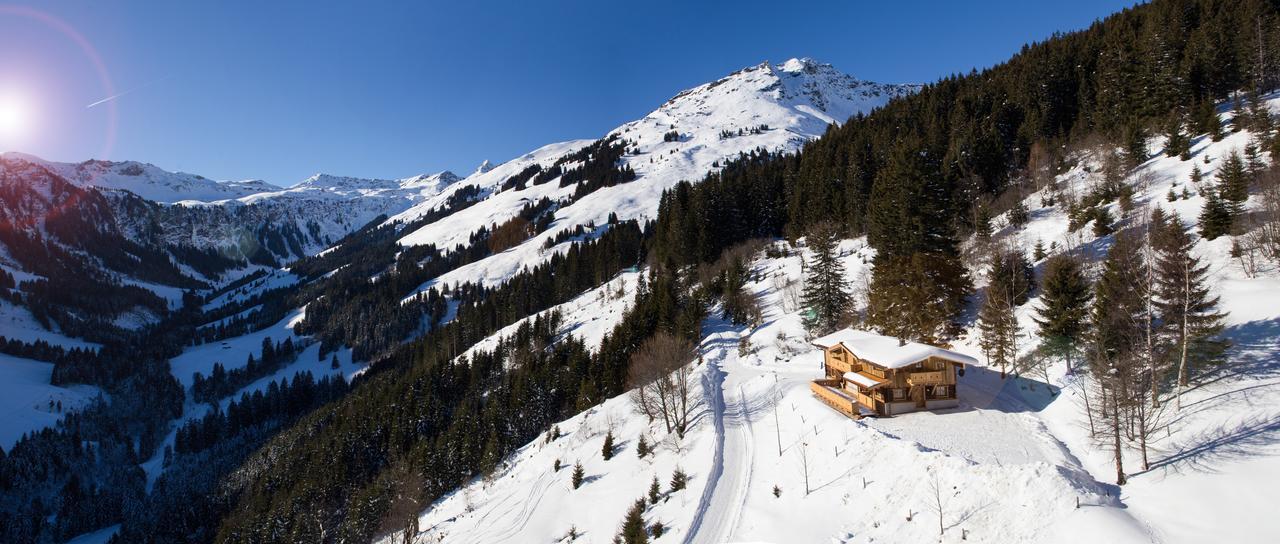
(982, 388)
(1206, 451)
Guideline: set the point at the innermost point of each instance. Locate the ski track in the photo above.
(519, 521)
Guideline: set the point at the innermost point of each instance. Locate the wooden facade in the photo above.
(857, 386)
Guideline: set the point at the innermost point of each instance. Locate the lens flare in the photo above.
(20, 115)
(15, 121)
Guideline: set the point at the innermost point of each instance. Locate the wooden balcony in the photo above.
(926, 378)
(829, 392)
(840, 366)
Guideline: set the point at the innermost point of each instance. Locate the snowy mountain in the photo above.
(769, 462)
(146, 180)
(772, 107)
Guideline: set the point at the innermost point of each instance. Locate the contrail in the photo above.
(118, 95)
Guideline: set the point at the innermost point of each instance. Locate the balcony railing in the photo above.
(828, 392)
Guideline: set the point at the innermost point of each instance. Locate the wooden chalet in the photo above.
(868, 374)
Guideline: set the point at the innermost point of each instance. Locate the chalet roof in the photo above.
(887, 351)
(864, 380)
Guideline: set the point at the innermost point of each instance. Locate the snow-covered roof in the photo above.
(887, 351)
(863, 380)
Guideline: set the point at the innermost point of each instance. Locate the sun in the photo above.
(15, 120)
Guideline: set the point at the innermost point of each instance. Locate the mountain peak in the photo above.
(802, 64)
(484, 167)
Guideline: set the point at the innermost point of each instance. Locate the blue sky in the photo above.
(281, 90)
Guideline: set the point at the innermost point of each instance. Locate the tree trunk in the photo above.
(1115, 438)
(1184, 333)
(1088, 410)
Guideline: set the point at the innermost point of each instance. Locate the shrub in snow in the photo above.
(678, 480)
(578, 475)
(633, 530)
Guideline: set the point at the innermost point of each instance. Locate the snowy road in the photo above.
(720, 507)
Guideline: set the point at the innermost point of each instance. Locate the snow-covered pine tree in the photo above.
(826, 291)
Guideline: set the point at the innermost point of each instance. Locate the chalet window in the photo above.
(939, 390)
(899, 394)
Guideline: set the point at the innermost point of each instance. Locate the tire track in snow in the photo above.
(720, 507)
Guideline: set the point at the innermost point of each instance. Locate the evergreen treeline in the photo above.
(222, 382)
(426, 421)
(908, 175)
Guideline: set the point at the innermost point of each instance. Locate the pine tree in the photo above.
(1010, 271)
(1196, 174)
(655, 491)
(1063, 317)
(579, 474)
(826, 291)
(1019, 215)
(678, 480)
(1207, 121)
(1233, 179)
(1275, 150)
(919, 297)
(607, 450)
(1260, 121)
(1135, 146)
(1176, 143)
(1187, 310)
(1117, 331)
(633, 530)
(1216, 215)
(1102, 222)
(999, 330)
(333, 363)
(982, 224)
(1253, 164)
(1038, 253)
(642, 447)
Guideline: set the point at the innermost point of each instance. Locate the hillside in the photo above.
(1011, 461)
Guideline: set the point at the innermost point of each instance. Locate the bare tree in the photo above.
(803, 453)
(1263, 229)
(662, 378)
(935, 489)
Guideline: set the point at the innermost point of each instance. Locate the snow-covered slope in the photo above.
(773, 107)
(1014, 463)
